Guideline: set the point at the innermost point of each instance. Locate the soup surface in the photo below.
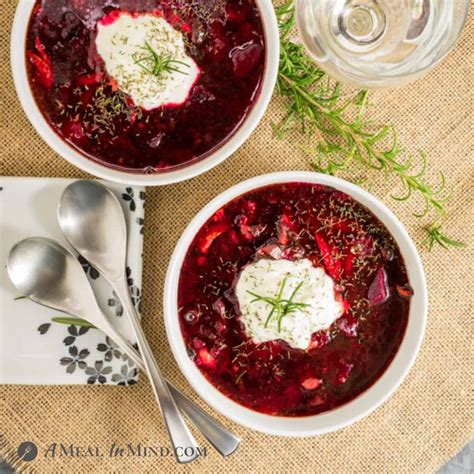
(293, 299)
(145, 85)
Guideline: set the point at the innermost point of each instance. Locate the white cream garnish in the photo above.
(316, 309)
(122, 45)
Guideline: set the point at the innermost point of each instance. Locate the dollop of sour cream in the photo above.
(317, 307)
(122, 43)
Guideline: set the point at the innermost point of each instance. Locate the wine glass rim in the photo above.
(451, 45)
(391, 74)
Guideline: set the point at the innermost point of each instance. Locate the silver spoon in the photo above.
(93, 222)
(44, 271)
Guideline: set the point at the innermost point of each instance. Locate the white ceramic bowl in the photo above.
(361, 405)
(20, 77)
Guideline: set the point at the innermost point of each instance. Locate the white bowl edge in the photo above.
(366, 402)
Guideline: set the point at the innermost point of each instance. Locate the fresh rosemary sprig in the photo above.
(155, 64)
(345, 140)
(435, 236)
(282, 307)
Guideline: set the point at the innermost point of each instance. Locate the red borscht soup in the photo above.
(293, 299)
(145, 85)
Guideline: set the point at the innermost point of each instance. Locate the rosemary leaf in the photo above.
(74, 322)
(435, 236)
(155, 64)
(282, 307)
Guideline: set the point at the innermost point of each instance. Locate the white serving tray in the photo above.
(33, 348)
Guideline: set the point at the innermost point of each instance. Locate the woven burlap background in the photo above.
(428, 419)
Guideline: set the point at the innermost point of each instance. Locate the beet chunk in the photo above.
(379, 291)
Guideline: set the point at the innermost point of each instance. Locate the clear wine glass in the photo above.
(379, 43)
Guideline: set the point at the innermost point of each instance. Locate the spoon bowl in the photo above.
(48, 274)
(92, 220)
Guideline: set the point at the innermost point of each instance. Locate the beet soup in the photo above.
(293, 299)
(145, 86)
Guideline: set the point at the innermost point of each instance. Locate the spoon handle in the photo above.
(184, 444)
(218, 435)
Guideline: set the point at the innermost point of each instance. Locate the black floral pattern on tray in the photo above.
(140, 221)
(127, 376)
(44, 328)
(115, 303)
(110, 349)
(73, 333)
(129, 196)
(88, 268)
(134, 290)
(97, 371)
(135, 294)
(75, 359)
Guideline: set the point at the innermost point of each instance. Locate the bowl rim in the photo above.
(364, 403)
(215, 157)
